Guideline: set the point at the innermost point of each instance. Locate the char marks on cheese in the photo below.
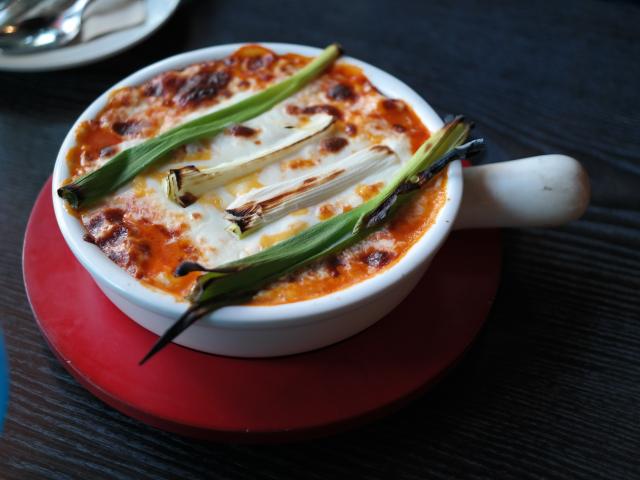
(242, 131)
(333, 144)
(340, 91)
(148, 235)
(313, 109)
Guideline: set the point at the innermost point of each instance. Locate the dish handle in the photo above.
(543, 191)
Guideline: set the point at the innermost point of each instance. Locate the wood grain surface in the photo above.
(552, 387)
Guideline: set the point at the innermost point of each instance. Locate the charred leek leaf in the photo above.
(237, 281)
(437, 146)
(127, 164)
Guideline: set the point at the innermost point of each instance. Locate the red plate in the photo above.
(277, 399)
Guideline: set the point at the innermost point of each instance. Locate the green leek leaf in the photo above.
(123, 167)
(238, 281)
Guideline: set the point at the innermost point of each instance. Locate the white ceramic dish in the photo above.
(250, 331)
(158, 12)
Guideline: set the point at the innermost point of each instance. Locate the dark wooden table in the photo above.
(551, 388)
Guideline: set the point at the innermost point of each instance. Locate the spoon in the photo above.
(43, 32)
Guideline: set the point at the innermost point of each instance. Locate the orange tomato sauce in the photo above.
(147, 251)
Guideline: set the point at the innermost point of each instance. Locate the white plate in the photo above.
(158, 12)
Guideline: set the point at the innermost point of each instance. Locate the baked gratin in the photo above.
(167, 193)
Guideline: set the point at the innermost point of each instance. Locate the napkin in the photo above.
(106, 16)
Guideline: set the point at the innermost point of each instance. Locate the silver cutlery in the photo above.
(44, 31)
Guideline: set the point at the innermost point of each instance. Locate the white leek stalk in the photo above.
(264, 205)
(185, 185)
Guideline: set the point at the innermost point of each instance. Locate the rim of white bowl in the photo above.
(298, 313)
